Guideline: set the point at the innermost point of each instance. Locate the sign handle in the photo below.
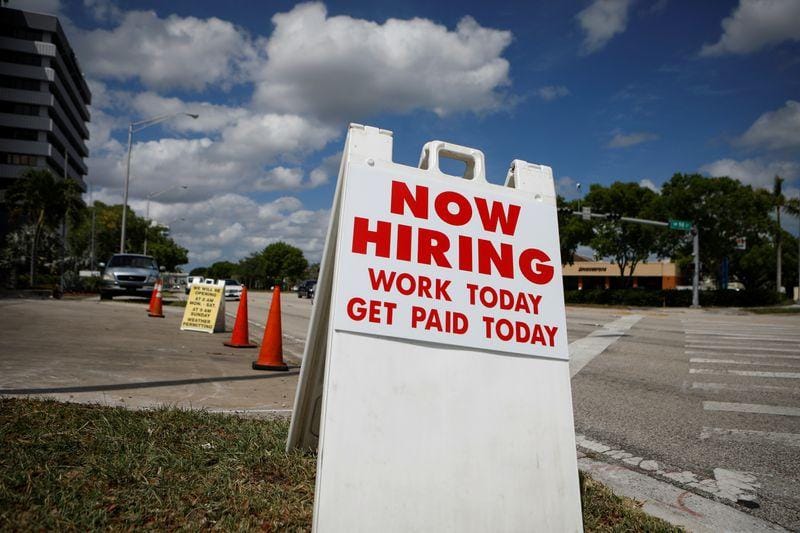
(473, 158)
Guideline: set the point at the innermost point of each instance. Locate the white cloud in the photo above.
(601, 21)
(212, 117)
(624, 140)
(174, 52)
(103, 10)
(775, 129)
(648, 184)
(756, 24)
(341, 67)
(231, 226)
(552, 92)
(755, 172)
(567, 187)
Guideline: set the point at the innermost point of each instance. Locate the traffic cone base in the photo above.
(281, 368)
(156, 309)
(270, 357)
(240, 338)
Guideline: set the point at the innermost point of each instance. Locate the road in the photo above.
(708, 401)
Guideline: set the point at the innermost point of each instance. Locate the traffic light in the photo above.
(613, 216)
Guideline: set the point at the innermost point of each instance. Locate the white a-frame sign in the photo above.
(435, 380)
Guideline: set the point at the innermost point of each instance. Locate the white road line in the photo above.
(750, 373)
(694, 346)
(751, 435)
(742, 354)
(729, 339)
(717, 387)
(755, 408)
(582, 351)
(735, 362)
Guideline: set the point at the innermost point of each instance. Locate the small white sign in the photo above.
(464, 266)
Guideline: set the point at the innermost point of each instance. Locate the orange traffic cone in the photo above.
(152, 299)
(241, 329)
(156, 309)
(270, 357)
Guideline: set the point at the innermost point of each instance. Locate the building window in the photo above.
(15, 108)
(17, 159)
(19, 134)
(25, 84)
(20, 58)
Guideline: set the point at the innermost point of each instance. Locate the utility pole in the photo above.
(696, 274)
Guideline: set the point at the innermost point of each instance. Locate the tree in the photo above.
(626, 243)
(222, 270)
(199, 271)
(281, 261)
(572, 230)
(166, 252)
(723, 209)
(41, 201)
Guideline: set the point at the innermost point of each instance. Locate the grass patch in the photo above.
(70, 467)
(788, 310)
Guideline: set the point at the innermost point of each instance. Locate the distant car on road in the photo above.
(191, 280)
(129, 275)
(233, 289)
(306, 289)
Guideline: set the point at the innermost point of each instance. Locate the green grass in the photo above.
(787, 310)
(74, 467)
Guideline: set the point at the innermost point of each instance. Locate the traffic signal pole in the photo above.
(587, 215)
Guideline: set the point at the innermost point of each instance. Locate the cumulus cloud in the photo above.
(309, 76)
(212, 117)
(648, 184)
(567, 187)
(601, 21)
(775, 129)
(173, 52)
(231, 226)
(755, 172)
(624, 140)
(344, 68)
(552, 92)
(756, 24)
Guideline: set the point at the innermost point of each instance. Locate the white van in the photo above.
(191, 280)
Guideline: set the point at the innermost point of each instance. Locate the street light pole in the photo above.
(139, 126)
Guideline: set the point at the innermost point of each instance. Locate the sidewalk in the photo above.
(112, 353)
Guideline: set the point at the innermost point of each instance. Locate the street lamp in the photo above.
(147, 211)
(133, 128)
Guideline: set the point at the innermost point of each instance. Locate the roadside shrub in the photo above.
(672, 298)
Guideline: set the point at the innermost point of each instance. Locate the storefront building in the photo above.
(587, 275)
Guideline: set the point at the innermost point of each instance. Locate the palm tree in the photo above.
(39, 199)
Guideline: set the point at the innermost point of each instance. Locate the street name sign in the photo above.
(205, 308)
(435, 380)
(683, 225)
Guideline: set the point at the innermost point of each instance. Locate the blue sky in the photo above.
(604, 90)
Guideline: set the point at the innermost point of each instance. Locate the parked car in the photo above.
(129, 274)
(306, 289)
(191, 280)
(233, 289)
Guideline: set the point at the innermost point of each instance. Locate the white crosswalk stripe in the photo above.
(766, 391)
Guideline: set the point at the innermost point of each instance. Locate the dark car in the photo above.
(306, 289)
(129, 274)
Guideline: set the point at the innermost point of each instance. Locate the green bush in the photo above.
(672, 298)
